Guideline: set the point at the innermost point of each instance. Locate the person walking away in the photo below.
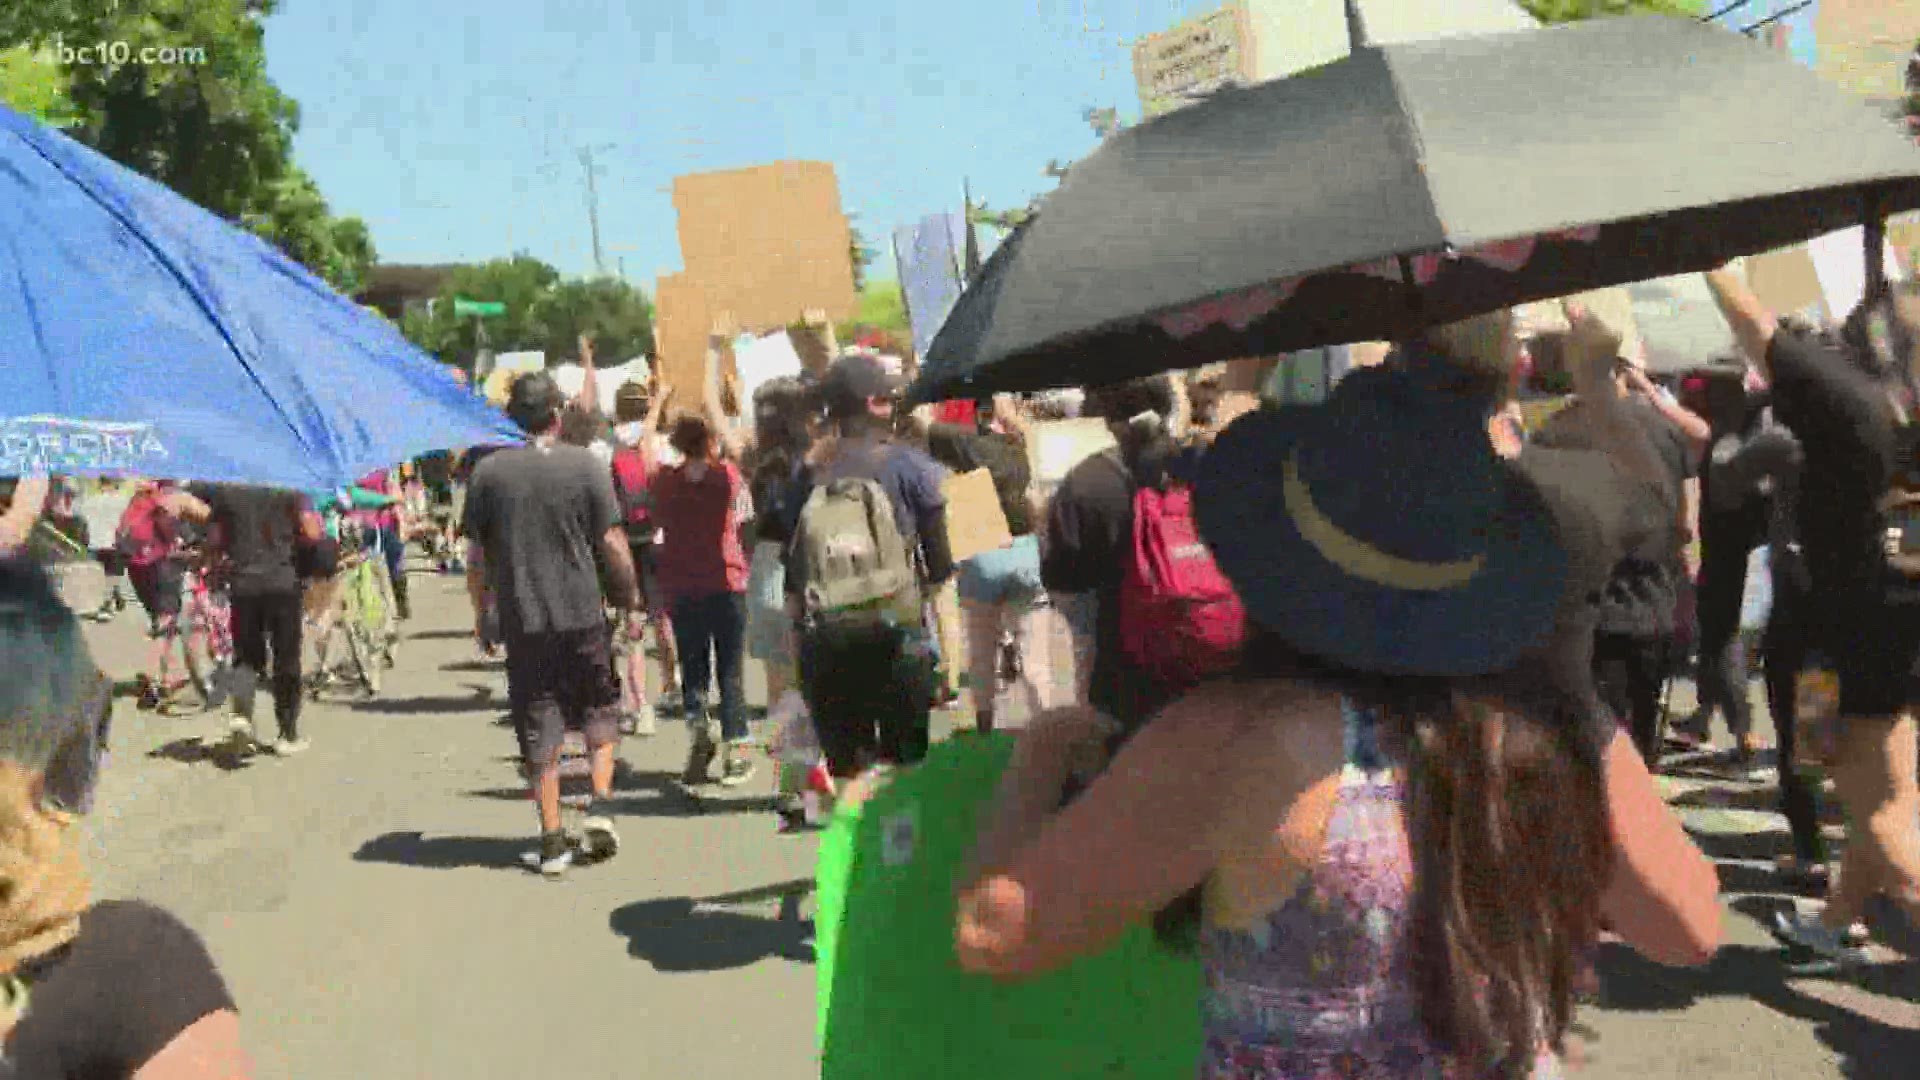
(857, 575)
(1852, 405)
(1771, 462)
(1335, 898)
(786, 416)
(101, 509)
(146, 539)
(122, 986)
(1001, 595)
(535, 516)
(634, 465)
(701, 505)
(259, 531)
(1089, 543)
(1733, 522)
(1633, 650)
(385, 530)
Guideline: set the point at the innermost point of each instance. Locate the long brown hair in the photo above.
(1506, 811)
(1506, 817)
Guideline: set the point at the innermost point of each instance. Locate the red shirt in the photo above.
(699, 520)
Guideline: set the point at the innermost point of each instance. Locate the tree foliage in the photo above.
(617, 315)
(1560, 11)
(542, 312)
(213, 128)
(862, 253)
(31, 82)
(883, 309)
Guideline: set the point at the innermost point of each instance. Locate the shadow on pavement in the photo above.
(1748, 846)
(638, 793)
(1871, 1049)
(683, 934)
(417, 849)
(476, 697)
(195, 751)
(440, 635)
(474, 666)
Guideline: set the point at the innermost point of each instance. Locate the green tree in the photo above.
(31, 82)
(619, 316)
(883, 307)
(295, 218)
(862, 254)
(211, 125)
(1559, 11)
(519, 282)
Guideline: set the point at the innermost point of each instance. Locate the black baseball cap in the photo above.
(855, 379)
(534, 401)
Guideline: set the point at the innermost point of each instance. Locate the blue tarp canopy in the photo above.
(142, 335)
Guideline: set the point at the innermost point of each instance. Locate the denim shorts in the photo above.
(1008, 575)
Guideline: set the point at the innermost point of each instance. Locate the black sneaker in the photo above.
(700, 755)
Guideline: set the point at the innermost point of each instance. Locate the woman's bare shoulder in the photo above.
(1273, 718)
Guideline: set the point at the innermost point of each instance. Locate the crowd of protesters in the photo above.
(1375, 738)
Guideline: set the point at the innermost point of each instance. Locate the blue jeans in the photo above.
(711, 632)
(1008, 575)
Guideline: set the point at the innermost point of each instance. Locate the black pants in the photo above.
(1722, 671)
(1629, 672)
(1785, 648)
(263, 623)
(870, 689)
(711, 632)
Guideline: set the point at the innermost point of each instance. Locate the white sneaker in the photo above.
(550, 866)
(1805, 931)
(643, 722)
(598, 841)
(290, 747)
(240, 734)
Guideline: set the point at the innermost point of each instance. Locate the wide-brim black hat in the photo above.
(1381, 531)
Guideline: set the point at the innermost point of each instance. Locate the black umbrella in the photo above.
(1414, 184)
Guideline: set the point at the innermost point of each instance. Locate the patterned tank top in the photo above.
(1322, 987)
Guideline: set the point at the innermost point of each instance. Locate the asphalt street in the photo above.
(367, 904)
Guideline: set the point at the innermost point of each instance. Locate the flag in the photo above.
(928, 259)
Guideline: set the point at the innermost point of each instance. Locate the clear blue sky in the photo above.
(451, 126)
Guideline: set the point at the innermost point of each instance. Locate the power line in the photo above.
(1777, 16)
(1729, 9)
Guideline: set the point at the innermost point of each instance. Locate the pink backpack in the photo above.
(1180, 620)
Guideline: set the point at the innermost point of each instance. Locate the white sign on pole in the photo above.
(520, 361)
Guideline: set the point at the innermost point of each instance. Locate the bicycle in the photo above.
(206, 622)
(364, 615)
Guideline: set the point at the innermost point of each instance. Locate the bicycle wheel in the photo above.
(366, 661)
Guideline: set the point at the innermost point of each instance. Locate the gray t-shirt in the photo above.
(539, 514)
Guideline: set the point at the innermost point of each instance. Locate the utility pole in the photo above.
(593, 204)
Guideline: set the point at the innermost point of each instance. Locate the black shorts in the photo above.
(158, 587)
(1876, 652)
(561, 681)
(870, 690)
(646, 573)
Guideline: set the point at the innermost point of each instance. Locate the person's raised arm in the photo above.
(1753, 323)
(588, 400)
(1601, 416)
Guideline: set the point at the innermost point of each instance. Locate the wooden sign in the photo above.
(976, 522)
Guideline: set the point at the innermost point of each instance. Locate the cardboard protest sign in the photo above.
(764, 359)
(1056, 446)
(976, 522)
(893, 1001)
(1680, 323)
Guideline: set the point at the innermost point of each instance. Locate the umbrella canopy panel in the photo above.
(141, 334)
(1413, 183)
